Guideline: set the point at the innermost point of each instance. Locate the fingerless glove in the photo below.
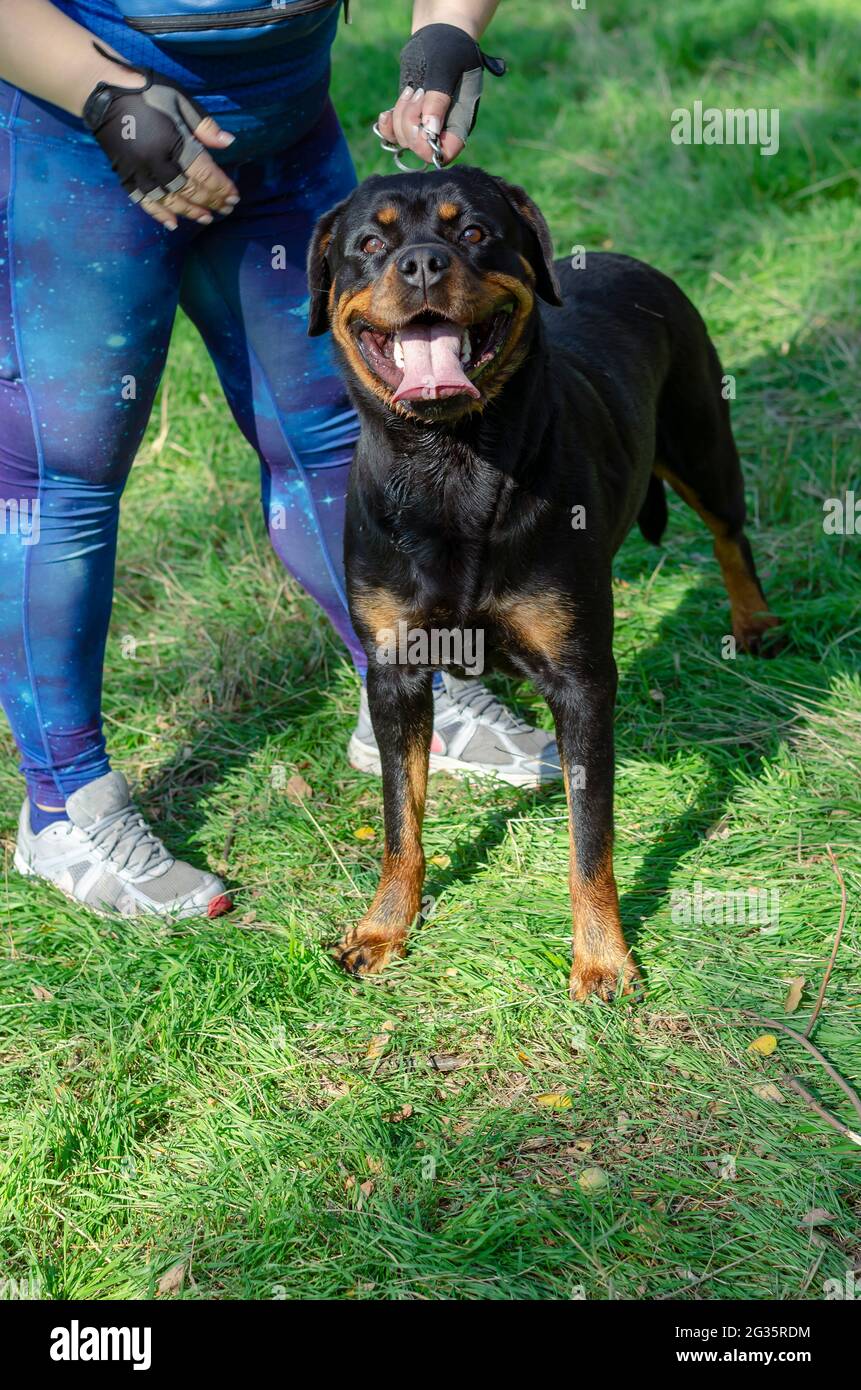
(147, 132)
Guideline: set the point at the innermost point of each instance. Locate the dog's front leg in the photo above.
(401, 705)
(582, 707)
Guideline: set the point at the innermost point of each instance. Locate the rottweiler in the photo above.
(518, 415)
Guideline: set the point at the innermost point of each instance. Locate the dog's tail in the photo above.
(653, 513)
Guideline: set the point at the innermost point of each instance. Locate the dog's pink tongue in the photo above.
(432, 366)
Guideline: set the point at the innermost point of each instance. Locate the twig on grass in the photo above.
(703, 1279)
(795, 1085)
(827, 976)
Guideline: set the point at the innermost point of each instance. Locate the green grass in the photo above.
(206, 1094)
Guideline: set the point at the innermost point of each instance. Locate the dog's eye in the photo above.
(372, 245)
(473, 235)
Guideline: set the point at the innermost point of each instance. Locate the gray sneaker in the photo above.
(106, 857)
(472, 733)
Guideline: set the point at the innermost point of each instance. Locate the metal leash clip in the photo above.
(436, 147)
(400, 150)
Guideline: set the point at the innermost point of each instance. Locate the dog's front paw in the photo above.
(603, 976)
(368, 948)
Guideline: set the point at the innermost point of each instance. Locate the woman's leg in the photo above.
(88, 291)
(245, 288)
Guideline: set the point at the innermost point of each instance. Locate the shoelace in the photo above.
(128, 842)
(480, 701)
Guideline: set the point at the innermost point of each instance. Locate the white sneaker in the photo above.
(106, 857)
(473, 734)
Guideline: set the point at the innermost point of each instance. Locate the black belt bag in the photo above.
(221, 26)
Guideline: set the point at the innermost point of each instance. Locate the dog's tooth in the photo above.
(399, 353)
(465, 347)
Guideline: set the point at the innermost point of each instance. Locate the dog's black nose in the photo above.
(424, 266)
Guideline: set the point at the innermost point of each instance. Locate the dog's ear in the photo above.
(540, 245)
(319, 271)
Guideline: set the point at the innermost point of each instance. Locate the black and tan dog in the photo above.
(487, 416)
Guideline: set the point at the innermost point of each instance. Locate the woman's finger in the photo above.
(159, 213)
(179, 203)
(434, 110)
(406, 116)
(386, 125)
(215, 186)
(209, 133)
(451, 146)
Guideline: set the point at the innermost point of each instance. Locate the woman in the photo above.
(114, 211)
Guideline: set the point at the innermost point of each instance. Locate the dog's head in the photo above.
(429, 283)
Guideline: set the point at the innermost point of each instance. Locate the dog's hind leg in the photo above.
(401, 705)
(582, 707)
(751, 616)
(697, 456)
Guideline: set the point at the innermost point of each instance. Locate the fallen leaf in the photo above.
(441, 1061)
(366, 1188)
(397, 1115)
(173, 1280)
(554, 1100)
(442, 861)
(793, 998)
(765, 1044)
(766, 1090)
(377, 1045)
(42, 994)
(593, 1180)
(373, 1165)
(718, 831)
(818, 1216)
(297, 788)
(365, 832)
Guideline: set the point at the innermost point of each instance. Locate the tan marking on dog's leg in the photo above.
(751, 617)
(381, 610)
(382, 932)
(600, 955)
(542, 622)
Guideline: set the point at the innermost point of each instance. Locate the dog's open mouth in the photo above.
(432, 358)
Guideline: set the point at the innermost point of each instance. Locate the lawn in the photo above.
(218, 1100)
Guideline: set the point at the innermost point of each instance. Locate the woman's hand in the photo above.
(154, 135)
(442, 68)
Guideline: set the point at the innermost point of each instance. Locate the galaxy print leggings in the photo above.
(89, 287)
